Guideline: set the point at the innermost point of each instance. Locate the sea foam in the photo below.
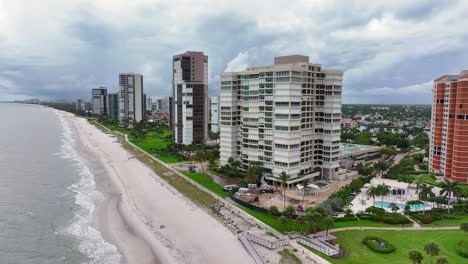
(91, 243)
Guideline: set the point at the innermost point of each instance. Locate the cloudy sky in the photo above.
(390, 50)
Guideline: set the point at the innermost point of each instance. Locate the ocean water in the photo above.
(47, 191)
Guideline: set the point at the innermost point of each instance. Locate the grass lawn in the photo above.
(206, 182)
(450, 222)
(404, 241)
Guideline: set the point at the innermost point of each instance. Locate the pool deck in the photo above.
(358, 206)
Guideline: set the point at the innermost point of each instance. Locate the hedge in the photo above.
(462, 248)
(369, 241)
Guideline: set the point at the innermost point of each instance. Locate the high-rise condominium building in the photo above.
(448, 153)
(99, 100)
(190, 90)
(285, 116)
(113, 106)
(131, 104)
(80, 105)
(148, 103)
(214, 116)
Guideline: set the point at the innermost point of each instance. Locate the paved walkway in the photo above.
(414, 228)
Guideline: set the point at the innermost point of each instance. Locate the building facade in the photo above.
(113, 106)
(80, 105)
(131, 104)
(285, 116)
(190, 93)
(99, 100)
(214, 114)
(448, 153)
(148, 103)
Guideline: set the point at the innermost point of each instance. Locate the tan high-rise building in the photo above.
(448, 153)
(189, 117)
(131, 98)
(286, 116)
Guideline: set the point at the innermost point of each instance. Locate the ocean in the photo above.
(47, 191)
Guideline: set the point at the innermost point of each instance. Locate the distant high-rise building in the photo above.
(190, 89)
(214, 114)
(448, 153)
(80, 105)
(284, 116)
(113, 106)
(99, 100)
(131, 104)
(148, 103)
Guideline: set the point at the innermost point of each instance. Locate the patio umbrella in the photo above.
(313, 186)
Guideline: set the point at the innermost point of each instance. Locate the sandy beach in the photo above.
(137, 202)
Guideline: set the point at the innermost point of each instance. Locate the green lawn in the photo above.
(404, 241)
(450, 222)
(206, 182)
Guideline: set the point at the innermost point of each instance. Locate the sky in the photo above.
(390, 50)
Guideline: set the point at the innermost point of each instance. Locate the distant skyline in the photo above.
(390, 52)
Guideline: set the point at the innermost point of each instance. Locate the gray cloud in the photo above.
(382, 46)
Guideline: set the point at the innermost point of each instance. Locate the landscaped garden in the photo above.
(207, 182)
(403, 241)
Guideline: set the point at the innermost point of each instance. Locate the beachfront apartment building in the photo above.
(214, 114)
(80, 105)
(131, 104)
(448, 153)
(113, 106)
(99, 100)
(286, 116)
(148, 103)
(189, 117)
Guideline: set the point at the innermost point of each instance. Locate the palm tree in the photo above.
(415, 256)
(316, 218)
(284, 177)
(442, 260)
(328, 222)
(372, 192)
(432, 249)
(283, 220)
(425, 194)
(383, 189)
(304, 183)
(300, 220)
(200, 157)
(449, 188)
(380, 167)
(418, 183)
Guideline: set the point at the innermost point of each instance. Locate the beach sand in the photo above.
(137, 202)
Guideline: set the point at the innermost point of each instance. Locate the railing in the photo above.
(317, 244)
(268, 243)
(250, 249)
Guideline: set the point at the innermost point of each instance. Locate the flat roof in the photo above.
(389, 182)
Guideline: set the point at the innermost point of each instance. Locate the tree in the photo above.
(328, 222)
(448, 188)
(284, 177)
(300, 220)
(283, 221)
(415, 256)
(304, 183)
(394, 207)
(289, 212)
(442, 260)
(273, 210)
(372, 192)
(383, 189)
(464, 227)
(381, 166)
(316, 218)
(254, 172)
(425, 194)
(432, 249)
(200, 157)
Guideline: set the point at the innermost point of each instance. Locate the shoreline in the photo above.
(137, 202)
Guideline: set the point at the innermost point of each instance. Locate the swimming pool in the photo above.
(414, 207)
(349, 148)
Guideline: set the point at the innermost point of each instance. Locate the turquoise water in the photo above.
(349, 148)
(414, 207)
